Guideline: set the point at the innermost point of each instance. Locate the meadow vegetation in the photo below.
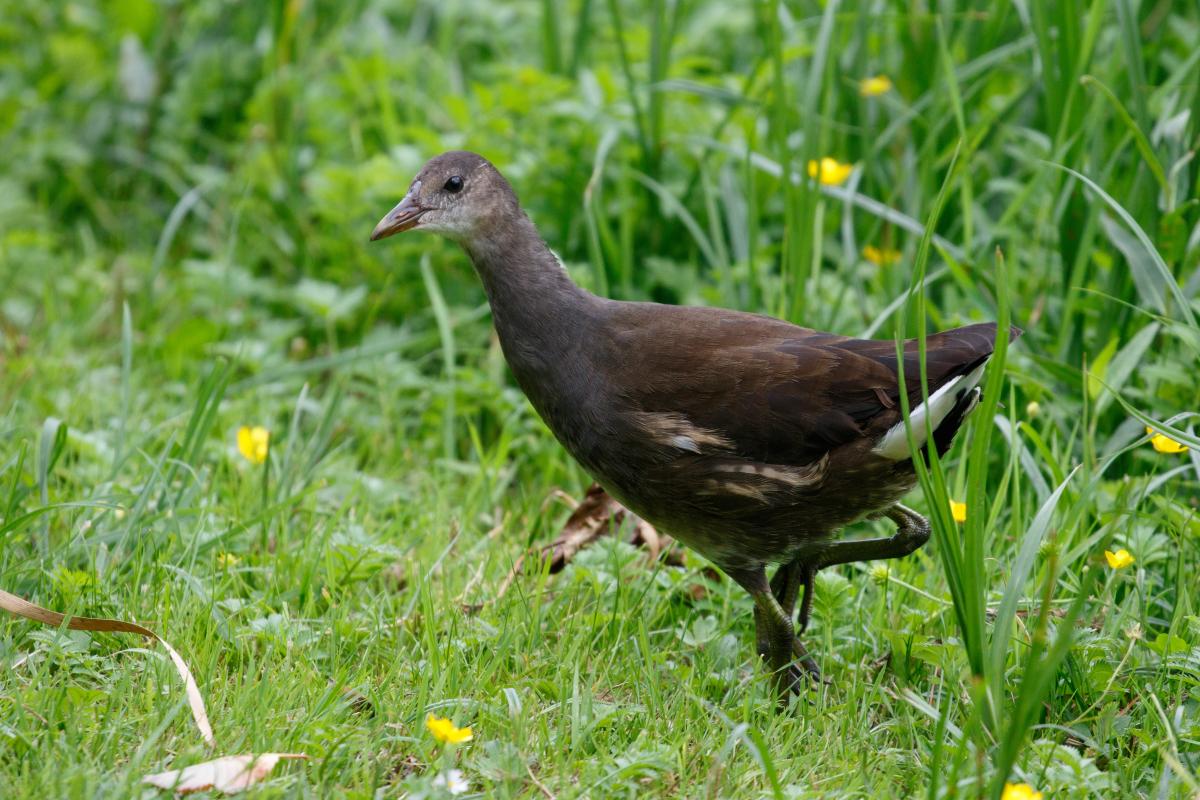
(185, 199)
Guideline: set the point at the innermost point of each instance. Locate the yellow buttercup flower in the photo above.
(830, 171)
(1165, 444)
(1020, 791)
(958, 511)
(254, 443)
(875, 86)
(880, 256)
(227, 560)
(445, 731)
(1120, 559)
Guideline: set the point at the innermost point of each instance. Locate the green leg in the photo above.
(913, 531)
(785, 585)
(808, 573)
(775, 635)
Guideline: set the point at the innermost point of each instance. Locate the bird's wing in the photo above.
(726, 384)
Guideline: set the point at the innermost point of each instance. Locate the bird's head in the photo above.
(457, 194)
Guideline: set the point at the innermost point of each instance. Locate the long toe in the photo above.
(806, 662)
(795, 673)
(796, 680)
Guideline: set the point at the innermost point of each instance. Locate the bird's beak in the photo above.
(405, 215)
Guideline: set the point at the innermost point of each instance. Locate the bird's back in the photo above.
(780, 393)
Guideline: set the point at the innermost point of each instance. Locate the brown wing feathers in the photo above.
(780, 394)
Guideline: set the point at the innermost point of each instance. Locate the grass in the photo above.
(184, 205)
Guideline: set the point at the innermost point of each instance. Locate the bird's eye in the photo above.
(453, 184)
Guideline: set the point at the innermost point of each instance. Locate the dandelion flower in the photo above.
(1020, 791)
(1120, 559)
(875, 86)
(253, 443)
(453, 781)
(445, 731)
(1165, 444)
(958, 511)
(881, 256)
(830, 171)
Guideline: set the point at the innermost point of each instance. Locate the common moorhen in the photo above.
(749, 439)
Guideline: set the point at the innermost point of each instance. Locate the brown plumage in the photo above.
(749, 439)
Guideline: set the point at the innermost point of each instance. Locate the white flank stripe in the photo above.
(894, 443)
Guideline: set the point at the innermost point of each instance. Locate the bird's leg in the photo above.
(785, 585)
(912, 532)
(774, 633)
(809, 572)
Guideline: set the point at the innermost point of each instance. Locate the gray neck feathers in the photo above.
(549, 328)
(539, 312)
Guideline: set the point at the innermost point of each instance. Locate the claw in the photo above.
(797, 678)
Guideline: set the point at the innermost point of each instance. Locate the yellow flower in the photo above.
(958, 511)
(1118, 560)
(830, 171)
(1165, 444)
(444, 731)
(227, 560)
(880, 256)
(1020, 791)
(875, 86)
(253, 443)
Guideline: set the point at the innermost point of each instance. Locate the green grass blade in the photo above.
(1162, 271)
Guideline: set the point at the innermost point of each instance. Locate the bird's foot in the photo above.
(796, 679)
(790, 665)
(797, 675)
(807, 663)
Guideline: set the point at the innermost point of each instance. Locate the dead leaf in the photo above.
(229, 774)
(27, 610)
(509, 578)
(597, 515)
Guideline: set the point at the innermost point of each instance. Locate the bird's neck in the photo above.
(532, 297)
(548, 327)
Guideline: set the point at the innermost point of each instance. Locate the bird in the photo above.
(751, 440)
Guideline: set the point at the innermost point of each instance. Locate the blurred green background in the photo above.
(186, 192)
(190, 151)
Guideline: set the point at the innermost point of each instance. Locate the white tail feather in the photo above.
(926, 417)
